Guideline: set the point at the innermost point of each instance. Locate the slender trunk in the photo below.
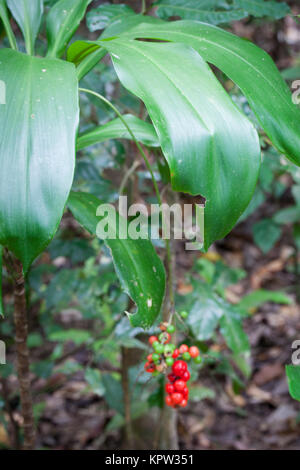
(21, 332)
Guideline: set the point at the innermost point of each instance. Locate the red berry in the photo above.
(169, 388)
(185, 392)
(179, 385)
(183, 403)
(152, 339)
(179, 367)
(186, 376)
(172, 377)
(176, 398)
(194, 351)
(183, 348)
(175, 353)
(169, 400)
(168, 338)
(149, 358)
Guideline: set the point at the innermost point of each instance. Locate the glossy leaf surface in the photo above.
(62, 22)
(209, 144)
(115, 129)
(260, 8)
(249, 67)
(38, 127)
(137, 265)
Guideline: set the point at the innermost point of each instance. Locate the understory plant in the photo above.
(205, 146)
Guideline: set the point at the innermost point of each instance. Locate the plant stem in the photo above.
(15, 269)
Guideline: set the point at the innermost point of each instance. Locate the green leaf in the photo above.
(266, 233)
(260, 8)
(37, 150)
(62, 22)
(289, 215)
(200, 130)
(258, 297)
(208, 11)
(293, 378)
(115, 129)
(137, 265)
(233, 333)
(205, 311)
(28, 14)
(251, 68)
(102, 16)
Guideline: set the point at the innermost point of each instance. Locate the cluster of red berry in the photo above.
(166, 355)
(176, 389)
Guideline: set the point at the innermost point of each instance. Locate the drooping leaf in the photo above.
(200, 130)
(293, 378)
(85, 56)
(100, 17)
(62, 22)
(251, 68)
(260, 8)
(208, 11)
(28, 14)
(37, 150)
(137, 265)
(115, 129)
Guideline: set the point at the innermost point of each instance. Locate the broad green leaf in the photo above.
(259, 297)
(260, 8)
(292, 73)
(37, 150)
(76, 336)
(137, 265)
(251, 68)
(234, 335)
(6, 23)
(200, 130)
(115, 129)
(125, 23)
(208, 11)
(102, 16)
(293, 378)
(266, 233)
(62, 22)
(28, 14)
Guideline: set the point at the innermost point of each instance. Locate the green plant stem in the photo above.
(10, 35)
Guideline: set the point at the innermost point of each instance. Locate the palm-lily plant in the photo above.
(211, 147)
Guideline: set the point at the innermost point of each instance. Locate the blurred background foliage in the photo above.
(247, 285)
